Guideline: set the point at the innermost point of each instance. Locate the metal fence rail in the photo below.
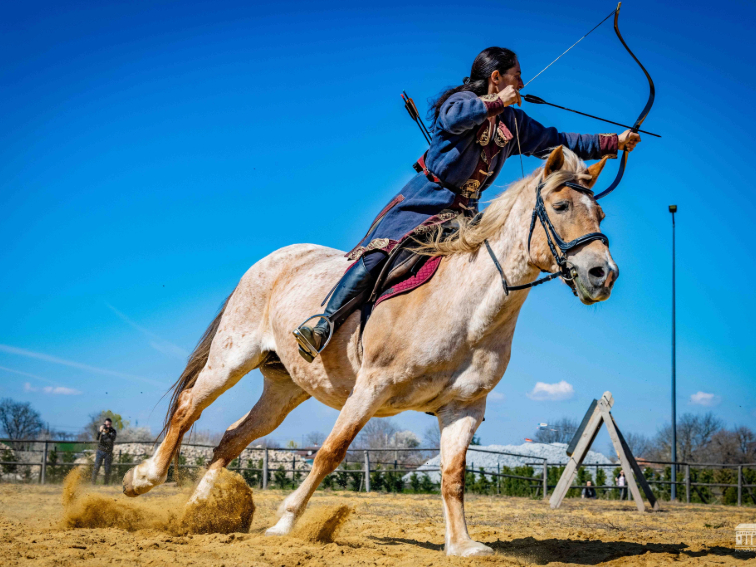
(262, 470)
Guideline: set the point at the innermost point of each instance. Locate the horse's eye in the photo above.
(561, 206)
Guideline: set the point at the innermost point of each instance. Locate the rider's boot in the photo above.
(351, 291)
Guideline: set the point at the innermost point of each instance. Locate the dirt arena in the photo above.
(382, 529)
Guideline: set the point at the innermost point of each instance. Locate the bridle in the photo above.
(559, 248)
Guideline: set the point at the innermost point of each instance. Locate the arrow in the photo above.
(537, 100)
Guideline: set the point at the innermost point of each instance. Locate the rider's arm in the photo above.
(465, 110)
(538, 140)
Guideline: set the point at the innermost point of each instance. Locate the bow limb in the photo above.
(641, 117)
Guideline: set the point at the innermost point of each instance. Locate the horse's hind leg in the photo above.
(280, 396)
(227, 363)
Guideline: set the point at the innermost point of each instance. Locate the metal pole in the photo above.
(367, 471)
(687, 483)
(265, 469)
(43, 471)
(673, 493)
(498, 478)
(740, 485)
(545, 481)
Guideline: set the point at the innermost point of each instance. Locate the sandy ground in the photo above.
(383, 529)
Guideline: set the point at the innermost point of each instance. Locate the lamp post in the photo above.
(673, 493)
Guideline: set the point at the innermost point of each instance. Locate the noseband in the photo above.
(559, 248)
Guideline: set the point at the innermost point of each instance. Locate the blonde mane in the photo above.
(471, 235)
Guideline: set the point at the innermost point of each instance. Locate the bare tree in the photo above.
(432, 436)
(315, 438)
(18, 420)
(732, 446)
(560, 431)
(639, 444)
(694, 434)
(376, 434)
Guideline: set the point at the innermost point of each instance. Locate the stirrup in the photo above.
(304, 344)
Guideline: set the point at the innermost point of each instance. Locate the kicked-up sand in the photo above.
(100, 526)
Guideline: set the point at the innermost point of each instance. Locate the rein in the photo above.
(554, 240)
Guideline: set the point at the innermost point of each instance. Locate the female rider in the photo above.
(475, 129)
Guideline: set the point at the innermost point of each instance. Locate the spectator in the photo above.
(105, 440)
(621, 482)
(589, 491)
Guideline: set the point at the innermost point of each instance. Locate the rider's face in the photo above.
(513, 77)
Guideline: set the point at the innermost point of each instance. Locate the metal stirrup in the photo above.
(305, 344)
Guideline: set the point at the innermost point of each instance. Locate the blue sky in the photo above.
(150, 152)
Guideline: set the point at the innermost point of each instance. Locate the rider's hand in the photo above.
(510, 95)
(628, 140)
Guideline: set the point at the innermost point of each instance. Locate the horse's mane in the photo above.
(471, 235)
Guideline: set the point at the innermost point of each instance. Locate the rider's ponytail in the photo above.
(489, 60)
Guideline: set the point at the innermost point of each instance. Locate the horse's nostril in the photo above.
(597, 272)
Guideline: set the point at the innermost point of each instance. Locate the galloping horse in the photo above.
(440, 349)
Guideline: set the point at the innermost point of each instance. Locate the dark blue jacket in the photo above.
(460, 134)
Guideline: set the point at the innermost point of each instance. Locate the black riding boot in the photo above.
(352, 291)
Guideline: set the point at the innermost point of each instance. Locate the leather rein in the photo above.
(559, 248)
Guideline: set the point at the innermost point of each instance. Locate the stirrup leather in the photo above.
(305, 344)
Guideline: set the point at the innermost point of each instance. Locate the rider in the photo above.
(475, 129)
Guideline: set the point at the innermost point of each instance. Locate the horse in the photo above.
(440, 349)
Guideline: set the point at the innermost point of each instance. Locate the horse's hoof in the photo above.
(470, 549)
(283, 526)
(131, 488)
(128, 483)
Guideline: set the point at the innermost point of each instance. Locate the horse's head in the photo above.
(573, 213)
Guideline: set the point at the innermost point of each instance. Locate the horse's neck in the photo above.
(476, 283)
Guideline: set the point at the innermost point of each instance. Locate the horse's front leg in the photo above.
(365, 400)
(458, 425)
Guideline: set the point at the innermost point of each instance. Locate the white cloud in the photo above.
(495, 396)
(705, 399)
(61, 390)
(553, 392)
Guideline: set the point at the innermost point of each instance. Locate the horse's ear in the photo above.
(595, 170)
(555, 162)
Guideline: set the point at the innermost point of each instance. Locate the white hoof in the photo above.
(469, 549)
(284, 525)
(204, 488)
(141, 479)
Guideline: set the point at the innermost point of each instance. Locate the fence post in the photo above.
(498, 478)
(43, 470)
(293, 468)
(740, 485)
(265, 469)
(396, 479)
(687, 483)
(367, 472)
(545, 481)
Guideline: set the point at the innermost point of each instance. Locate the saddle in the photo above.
(405, 268)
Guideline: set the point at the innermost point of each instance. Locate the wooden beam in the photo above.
(590, 430)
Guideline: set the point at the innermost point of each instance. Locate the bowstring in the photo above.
(517, 129)
(573, 45)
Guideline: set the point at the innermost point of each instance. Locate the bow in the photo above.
(636, 126)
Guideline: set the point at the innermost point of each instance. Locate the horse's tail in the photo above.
(194, 366)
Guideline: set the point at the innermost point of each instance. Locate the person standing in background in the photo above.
(621, 483)
(105, 441)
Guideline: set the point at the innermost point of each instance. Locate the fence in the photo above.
(50, 461)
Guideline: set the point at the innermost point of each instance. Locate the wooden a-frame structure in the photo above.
(600, 412)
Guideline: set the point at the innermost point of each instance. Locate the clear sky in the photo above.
(150, 152)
